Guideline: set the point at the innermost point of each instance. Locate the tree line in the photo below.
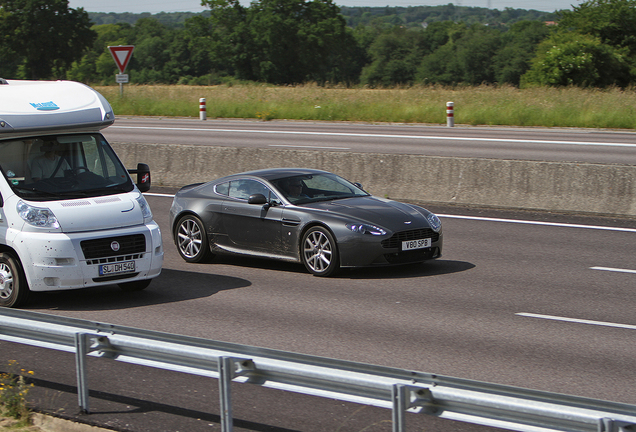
(288, 42)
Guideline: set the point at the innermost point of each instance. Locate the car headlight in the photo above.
(145, 208)
(366, 229)
(40, 217)
(434, 222)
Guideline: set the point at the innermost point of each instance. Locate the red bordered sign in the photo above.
(121, 54)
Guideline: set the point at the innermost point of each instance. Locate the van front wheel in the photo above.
(14, 290)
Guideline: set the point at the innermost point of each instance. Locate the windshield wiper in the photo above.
(33, 190)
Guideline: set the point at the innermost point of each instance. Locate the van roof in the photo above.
(44, 107)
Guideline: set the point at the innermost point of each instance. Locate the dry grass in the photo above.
(482, 105)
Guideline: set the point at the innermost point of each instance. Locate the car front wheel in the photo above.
(14, 290)
(320, 252)
(191, 240)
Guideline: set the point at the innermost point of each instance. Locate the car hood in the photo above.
(392, 215)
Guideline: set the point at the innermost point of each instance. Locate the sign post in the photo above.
(121, 54)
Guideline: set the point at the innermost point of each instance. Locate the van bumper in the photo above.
(63, 261)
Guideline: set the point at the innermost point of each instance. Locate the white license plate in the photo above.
(117, 268)
(416, 244)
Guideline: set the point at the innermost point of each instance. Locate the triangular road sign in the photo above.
(121, 54)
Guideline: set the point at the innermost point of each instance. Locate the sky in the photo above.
(156, 6)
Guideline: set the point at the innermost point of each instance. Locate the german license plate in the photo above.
(416, 244)
(117, 268)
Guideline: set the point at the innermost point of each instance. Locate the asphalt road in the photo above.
(524, 299)
(535, 300)
(565, 145)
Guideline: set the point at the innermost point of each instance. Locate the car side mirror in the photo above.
(257, 199)
(143, 177)
(358, 185)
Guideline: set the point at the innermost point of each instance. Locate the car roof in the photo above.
(274, 173)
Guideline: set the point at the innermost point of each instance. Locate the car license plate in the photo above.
(416, 244)
(117, 268)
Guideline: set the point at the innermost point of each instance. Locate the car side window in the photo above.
(243, 188)
(223, 188)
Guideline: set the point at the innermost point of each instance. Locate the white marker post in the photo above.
(202, 109)
(450, 114)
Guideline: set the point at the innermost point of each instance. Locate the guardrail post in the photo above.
(399, 395)
(226, 373)
(610, 425)
(81, 350)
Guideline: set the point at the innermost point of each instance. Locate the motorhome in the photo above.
(71, 215)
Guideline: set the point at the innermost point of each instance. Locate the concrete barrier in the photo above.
(608, 189)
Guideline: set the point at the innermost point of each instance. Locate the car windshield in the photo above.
(303, 189)
(62, 167)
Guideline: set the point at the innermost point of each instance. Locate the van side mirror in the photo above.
(143, 176)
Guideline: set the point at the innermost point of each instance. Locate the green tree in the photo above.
(612, 21)
(519, 44)
(575, 59)
(9, 58)
(97, 65)
(465, 58)
(283, 41)
(395, 56)
(45, 35)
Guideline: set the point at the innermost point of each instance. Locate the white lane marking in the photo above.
(310, 147)
(526, 222)
(159, 195)
(578, 321)
(367, 135)
(611, 269)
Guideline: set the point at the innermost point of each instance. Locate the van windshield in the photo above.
(62, 166)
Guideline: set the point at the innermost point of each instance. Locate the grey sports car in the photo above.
(301, 215)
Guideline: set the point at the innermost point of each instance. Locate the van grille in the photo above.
(101, 248)
(396, 239)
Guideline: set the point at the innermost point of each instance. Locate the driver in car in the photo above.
(49, 164)
(294, 189)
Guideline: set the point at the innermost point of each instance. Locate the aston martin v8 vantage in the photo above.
(301, 215)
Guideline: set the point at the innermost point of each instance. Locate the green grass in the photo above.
(482, 105)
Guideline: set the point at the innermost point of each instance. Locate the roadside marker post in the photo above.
(202, 109)
(121, 54)
(450, 114)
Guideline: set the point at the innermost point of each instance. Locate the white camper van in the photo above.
(70, 214)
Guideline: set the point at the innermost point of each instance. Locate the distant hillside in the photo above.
(406, 16)
(169, 19)
(422, 15)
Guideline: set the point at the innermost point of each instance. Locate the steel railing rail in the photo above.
(396, 389)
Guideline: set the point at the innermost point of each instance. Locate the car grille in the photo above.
(100, 251)
(396, 239)
(412, 256)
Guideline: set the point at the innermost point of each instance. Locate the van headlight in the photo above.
(145, 208)
(41, 217)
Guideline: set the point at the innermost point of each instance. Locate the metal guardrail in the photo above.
(396, 389)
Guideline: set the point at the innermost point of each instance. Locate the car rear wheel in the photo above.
(191, 240)
(320, 252)
(14, 290)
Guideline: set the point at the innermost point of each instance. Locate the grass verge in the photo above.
(482, 105)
